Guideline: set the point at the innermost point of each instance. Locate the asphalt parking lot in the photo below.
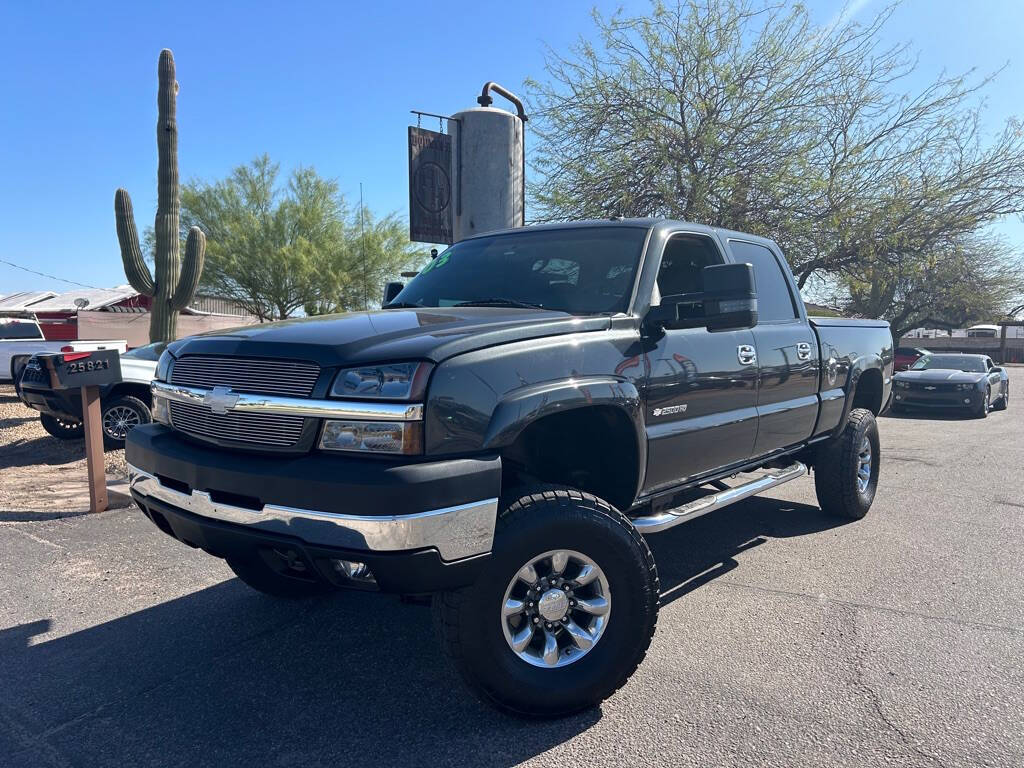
(785, 638)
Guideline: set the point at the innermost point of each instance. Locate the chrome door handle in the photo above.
(803, 351)
(746, 355)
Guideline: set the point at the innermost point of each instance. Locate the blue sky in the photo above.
(323, 84)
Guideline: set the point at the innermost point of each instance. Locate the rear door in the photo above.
(787, 353)
(700, 394)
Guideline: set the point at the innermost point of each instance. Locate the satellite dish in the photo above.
(81, 303)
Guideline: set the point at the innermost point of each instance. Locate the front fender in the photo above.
(526, 405)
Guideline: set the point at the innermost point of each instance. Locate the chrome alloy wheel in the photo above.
(556, 608)
(119, 421)
(864, 465)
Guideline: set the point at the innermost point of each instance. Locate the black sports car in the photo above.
(971, 382)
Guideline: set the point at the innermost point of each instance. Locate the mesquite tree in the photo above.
(744, 114)
(174, 282)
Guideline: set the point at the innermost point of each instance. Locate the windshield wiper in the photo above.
(499, 302)
(402, 305)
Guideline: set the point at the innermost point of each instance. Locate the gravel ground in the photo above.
(31, 461)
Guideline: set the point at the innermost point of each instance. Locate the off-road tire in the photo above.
(1003, 401)
(61, 429)
(140, 409)
(256, 573)
(469, 620)
(837, 464)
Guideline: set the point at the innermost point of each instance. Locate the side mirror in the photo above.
(391, 290)
(730, 298)
(727, 303)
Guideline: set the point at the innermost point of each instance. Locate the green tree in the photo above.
(749, 116)
(277, 248)
(976, 280)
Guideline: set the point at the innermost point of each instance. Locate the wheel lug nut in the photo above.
(536, 620)
(565, 619)
(566, 587)
(572, 602)
(530, 604)
(548, 624)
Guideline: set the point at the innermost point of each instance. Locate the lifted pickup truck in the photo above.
(506, 430)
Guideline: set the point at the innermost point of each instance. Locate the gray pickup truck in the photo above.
(505, 432)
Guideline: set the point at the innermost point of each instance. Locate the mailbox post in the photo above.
(87, 372)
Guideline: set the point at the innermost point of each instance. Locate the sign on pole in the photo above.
(430, 186)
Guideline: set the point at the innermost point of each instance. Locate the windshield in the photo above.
(580, 270)
(148, 352)
(951, 362)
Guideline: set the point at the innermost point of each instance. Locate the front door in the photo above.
(787, 353)
(701, 393)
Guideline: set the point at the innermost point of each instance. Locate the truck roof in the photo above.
(646, 223)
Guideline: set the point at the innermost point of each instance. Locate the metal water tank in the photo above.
(488, 184)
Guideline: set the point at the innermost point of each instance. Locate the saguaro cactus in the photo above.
(174, 282)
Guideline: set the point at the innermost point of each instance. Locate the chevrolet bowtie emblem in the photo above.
(220, 399)
(929, 388)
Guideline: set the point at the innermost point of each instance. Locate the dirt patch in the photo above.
(40, 474)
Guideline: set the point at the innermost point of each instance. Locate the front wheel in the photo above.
(1003, 401)
(120, 417)
(985, 405)
(62, 429)
(846, 470)
(565, 611)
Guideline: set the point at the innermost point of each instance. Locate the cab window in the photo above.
(683, 262)
(774, 302)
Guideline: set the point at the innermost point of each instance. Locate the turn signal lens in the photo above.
(404, 437)
(161, 411)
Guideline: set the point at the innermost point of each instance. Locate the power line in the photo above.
(43, 274)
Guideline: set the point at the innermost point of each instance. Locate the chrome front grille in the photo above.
(286, 378)
(263, 428)
(245, 374)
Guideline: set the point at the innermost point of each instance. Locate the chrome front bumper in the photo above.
(455, 532)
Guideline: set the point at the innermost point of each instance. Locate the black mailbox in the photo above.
(71, 370)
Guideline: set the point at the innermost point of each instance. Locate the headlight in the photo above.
(394, 381)
(163, 366)
(373, 436)
(963, 387)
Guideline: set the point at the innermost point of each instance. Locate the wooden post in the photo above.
(92, 419)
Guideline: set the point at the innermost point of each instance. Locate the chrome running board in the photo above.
(672, 517)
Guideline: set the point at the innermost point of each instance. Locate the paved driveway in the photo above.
(784, 639)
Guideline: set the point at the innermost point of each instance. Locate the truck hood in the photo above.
(940, 375)
(392, 334)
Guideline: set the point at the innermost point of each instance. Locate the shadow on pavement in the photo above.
(225, 676)
(695, 553)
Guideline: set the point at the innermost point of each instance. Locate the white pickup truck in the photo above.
(23, 336)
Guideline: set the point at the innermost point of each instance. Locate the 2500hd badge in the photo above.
(505, 432)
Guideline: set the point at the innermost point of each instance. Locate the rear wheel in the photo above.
(846, 470)
(62, 429)
(284, 582)
(565, 611)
